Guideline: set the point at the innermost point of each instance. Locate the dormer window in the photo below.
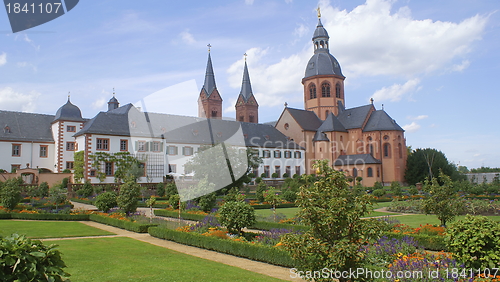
(6, 130)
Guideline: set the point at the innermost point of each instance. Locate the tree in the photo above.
(259, 192)
(160, 189)
(236, 215)
(337, 231)
(105, 201)
(78, 166)
(127, 199)
(10, 193)
(57, 195)
(443, 201)
(43, 190)
(423, 163)
(25, 260)
(271, 196)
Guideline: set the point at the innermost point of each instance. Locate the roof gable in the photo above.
(307, 120)
(354, 117)
(380, 120)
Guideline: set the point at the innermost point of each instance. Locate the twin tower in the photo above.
(210, 101)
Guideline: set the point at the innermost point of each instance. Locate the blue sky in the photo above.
(433, 64)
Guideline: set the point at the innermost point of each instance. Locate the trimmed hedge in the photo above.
(428, 242)
(128, 225)
(262, 253)
(268, 206)
(44, 216)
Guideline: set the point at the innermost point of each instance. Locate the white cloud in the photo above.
(99, 103)
(396, 91)
(3, 59)
(249, 2)
(465, 64)
(420, 117)
(301, 30)
(288, 1)
(412, 127)
(187, 37)
(15, 101)
(378, 41)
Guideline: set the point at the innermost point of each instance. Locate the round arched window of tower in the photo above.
(312, 91)
(337, 90)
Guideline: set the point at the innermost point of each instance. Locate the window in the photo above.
(155, 146)
(108, 168)
(288, 171)
(172, 168)
(71, 128)
(288, 154)
(298, 154)
(92, 173)
(337, 90)
(250, 119)
(102, 144)
(297, 170)
(141, 146)
(312, 91)
(69, 165)
(266, 171)
(14, 168)
(386, 137)
(266, 154)
(387, 150)
(325, 89)
(187, 151)
(277, 170)
(172, 150)
(16, 150)
(400, 151)
(214, 113)
(378, 172)
(123, 145)
(369, 172)
(242, 118)
(70, 146)
(44, 151)
(277, 154)
(256, 172)
(369, 149)
(354, 172)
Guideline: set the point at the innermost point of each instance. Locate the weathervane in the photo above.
(319, 12)
(245, 56)
(113, 92)
(209, 46)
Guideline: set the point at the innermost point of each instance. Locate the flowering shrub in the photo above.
(428, 229)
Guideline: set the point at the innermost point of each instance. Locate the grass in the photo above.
(292, 212)
(49, 229)
(126, 259)
(422, 219)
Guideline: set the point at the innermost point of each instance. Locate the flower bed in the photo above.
(120, 222)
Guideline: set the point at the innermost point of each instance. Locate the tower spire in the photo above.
(209, 101)
(246, 86)
(247, 109)
(209, 84)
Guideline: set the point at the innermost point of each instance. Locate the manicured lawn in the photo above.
(292, 212)
(126, 259)
(422, 219)
(49, 229)
(379, 205)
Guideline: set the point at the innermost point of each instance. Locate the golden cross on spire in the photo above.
(245, 56)
(113, 92)
(209, 46)
(319, 12)
(68, 94)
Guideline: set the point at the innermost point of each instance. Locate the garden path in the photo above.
(254, 266)
(384, 209)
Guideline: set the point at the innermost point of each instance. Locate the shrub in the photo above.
(43, 190)
(258, 180)
(105, 201)
(259, 193)
(127, 200)
(86, 191)
(23, 259)
(396, 188)
(475, 241)
(236, 216)
(10, 194)
(275, 175)
(378, 192)
(160, 189)
(170, 189)
(57, 195)
(174, 201)
(290, 196)
(124, 224)
(207, 202)
(377, 185)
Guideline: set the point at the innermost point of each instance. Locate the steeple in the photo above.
(209, 102)
(247, 109)
(113, 102)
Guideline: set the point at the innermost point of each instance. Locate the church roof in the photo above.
(354, 117)
(307, 120)
(18, 126)
(129, 121)
(320, 31)
(380, 120)
(246, 86)
(209, 84)
(69, 112)
(322, 63)
(358, 159)
(320, 136)
(331, 123)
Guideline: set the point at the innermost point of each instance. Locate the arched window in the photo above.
(369, 149)
(354, 172)
(250, 119)
(325, 89)
(214, 113)
(387, 150)
(312, 91)
(242, 118)
(326, 113)
(337, 90)
(400, 151)
(369, 172)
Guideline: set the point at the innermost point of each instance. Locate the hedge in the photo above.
(428, 242)
(82, 201)
(128, 225)
(175, 214)
(44, 216)
(262, 253)
(268, 206)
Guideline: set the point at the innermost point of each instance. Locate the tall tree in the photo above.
(426, 163)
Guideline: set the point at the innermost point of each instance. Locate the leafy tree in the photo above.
(259, 193)
(396, 188)
(105, 201)
(234, 195)
(271, 196)
(170, 190)
(378, 192)
(337, 232)
(207, 202)
(377, 185)
(485, 169)
(290, 196)
(423, 163)
(43, 190)
(160, 189)
(26, 260)
(236, 215)
(174, 201)
(475, 241)
(86, 190)
(127, 199)
(78, 166)
(57, 195)
(10, 193)
(442, 201)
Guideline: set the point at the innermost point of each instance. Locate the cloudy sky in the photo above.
(432, 64)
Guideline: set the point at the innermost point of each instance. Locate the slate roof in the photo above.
(322, 63)
(320, 136)
(356, 160)
(380, 120)
(354, 117)
(69, 112)
(128, 121)
(209, 84)
(307, 120)
(331, 123)
(25, 127)
(320, 31)
(246, 86)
